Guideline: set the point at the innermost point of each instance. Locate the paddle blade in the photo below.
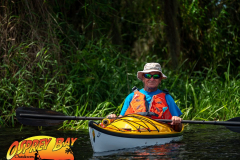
(37, 121)
(234, 128)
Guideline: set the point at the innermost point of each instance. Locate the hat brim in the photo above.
(140, 73)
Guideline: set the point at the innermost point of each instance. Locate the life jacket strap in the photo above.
(134, 89)
(165, 91)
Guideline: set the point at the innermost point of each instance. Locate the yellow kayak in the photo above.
(130, 131)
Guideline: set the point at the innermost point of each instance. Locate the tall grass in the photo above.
(100, 88)
(207, 96)
(83, 88)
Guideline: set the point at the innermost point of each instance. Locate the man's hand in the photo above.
(176, 123)
(176, 120)
(113, 116)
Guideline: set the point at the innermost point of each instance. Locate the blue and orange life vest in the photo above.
(157, 105)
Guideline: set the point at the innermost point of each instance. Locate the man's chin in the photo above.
(152, 86)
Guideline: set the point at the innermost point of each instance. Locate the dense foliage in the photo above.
(81, 57)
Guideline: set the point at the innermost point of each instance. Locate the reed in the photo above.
(206, 95)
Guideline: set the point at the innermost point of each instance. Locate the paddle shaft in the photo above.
(225, 123)
(59, 117)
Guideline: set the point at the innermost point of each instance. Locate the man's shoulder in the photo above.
(169, 97)
(130, 96)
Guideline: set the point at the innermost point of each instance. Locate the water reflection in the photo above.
(166, 151)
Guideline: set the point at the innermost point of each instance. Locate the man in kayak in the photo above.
(151, 99)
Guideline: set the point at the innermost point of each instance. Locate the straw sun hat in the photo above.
(151, 67)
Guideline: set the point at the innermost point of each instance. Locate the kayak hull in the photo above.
(107, 139)
(102, 142)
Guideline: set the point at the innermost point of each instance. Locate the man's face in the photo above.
(151, 83)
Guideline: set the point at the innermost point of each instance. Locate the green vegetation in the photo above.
(81, 58)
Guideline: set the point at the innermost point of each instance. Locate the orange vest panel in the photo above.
(137, 104)
(158, 105)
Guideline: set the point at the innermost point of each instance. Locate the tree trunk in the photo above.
(172, 29)
(116, 26)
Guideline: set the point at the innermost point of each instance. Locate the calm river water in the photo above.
(199, 142)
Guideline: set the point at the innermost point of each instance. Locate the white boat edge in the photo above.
(102, 142)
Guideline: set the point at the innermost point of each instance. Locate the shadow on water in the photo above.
(199, 142)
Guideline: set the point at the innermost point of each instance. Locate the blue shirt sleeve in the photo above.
(173, 108)
(126, 103)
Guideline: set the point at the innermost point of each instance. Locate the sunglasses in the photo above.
(149, 76)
